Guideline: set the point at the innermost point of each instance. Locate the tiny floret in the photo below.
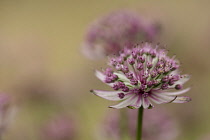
(145, 76)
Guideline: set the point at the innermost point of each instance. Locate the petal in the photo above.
(184, 79)
(137, 103)
(183, 99)
(145, 103)
(102, 77)
(175, 72)
(162, 99)
(176, 92)
(154, 63)
(122, 77)
(156, 100)
(110, 95)
(126, 102)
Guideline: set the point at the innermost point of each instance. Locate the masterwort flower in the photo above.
(110, 33)
(141, 76)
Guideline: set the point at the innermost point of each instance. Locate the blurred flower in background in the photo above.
(111, 33)
(157, 125)
(6, 112)
(60, 128)
(110, 127)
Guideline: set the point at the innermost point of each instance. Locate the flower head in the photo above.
(141, 76)
(109, 34)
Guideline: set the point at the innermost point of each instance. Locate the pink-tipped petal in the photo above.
(183, 99)
(125, 103)
(110, 95)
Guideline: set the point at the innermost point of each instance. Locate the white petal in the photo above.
(183, 99)
(154, 63)
(126, 102)
(184, 79)
(102, 77)
(122, 77)
(156, 100)
(110, 95)
(137, 103)
(175, 72)
(145, 102)
(179, 92)
(163, 98)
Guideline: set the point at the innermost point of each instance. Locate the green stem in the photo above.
(123, 125)
(139, 124)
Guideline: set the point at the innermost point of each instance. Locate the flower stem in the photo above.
(139, 124)
(123, 125)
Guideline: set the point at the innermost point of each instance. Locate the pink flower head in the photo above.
(141, 76)
(111, 33)
(60, 128)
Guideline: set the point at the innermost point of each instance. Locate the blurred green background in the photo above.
(42, 67)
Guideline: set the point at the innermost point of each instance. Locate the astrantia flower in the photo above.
(141, 76)
(109, 34)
